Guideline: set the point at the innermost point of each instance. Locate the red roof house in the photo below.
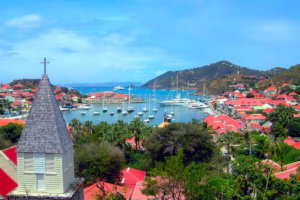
(131, 176)
(93, 191)
(4, 122)
(255, 118)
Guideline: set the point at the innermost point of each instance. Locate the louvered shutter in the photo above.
(50, 163)
(39, 162)
(28, 162)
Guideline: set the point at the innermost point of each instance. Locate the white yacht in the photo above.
(63, 108)
(118, 88)
(146, 120)
(124, 112)
(151, 116)
(96, 113)
(140, 113)
(145, 109)
(197, 105)
(154, 110)
(84, 107)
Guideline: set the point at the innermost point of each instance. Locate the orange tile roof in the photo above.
(4, 122)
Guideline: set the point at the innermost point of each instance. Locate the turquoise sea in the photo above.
(182, 114)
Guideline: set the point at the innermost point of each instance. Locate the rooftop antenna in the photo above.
(45, 65)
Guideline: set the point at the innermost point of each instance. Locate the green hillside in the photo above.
(200, 75)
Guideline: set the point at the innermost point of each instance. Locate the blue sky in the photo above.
(120, 40)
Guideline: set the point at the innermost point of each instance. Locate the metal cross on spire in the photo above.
(45, 65)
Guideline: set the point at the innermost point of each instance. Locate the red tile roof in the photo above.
(244, 102)
(92, 192)
(18, 86)
(270, 89)
(255, 117)
(6, 86)
(6, 184)
(223, 123)
(131, 176)
(286, 174)
(16, 103)
(121, 96)
(137, 193)
(293, 94)
(285, 97)
(4, 122)
(268, 110)
(11, 153)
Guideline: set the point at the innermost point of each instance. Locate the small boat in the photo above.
(146, 120)
(130, 109)
(84, 107)
(151, 116)
(172, 113)
(169, 118)
(104, 109)
(63, 108)
(118, 88)
(124, 112)
(82, 113)
(119, 109)
(140, 113)
(154, 110)
(96, 113)
(112, 113)
(145, 109)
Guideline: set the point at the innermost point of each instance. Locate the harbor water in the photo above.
(181, 114)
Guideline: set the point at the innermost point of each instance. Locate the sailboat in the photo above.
(154, 110)
(124, 111)
(151, 116)
(178, 101)
(104, 109)
(130, 108)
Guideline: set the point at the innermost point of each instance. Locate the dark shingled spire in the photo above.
(45, 130)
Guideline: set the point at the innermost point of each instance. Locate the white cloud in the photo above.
(272, 31)
(27, 21)
(83, 59)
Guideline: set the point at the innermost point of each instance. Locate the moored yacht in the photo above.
(118, 88)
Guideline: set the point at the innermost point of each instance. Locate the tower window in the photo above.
(39, 162)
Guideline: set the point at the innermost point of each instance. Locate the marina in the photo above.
(150, 110)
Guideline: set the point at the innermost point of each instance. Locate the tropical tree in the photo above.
(88, 126)
(99, 161)
(193, 139)
(227, 140)
(137, 128)
(281, 118)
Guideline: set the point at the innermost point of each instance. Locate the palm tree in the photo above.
(228, 139)
(249, 140)
(89, 126)
(136, 127)
(75, 125)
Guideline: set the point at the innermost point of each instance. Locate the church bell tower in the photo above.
(45, 152)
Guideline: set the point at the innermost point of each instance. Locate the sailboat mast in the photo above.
(177, 86)
(129, 94)
(188, 89)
